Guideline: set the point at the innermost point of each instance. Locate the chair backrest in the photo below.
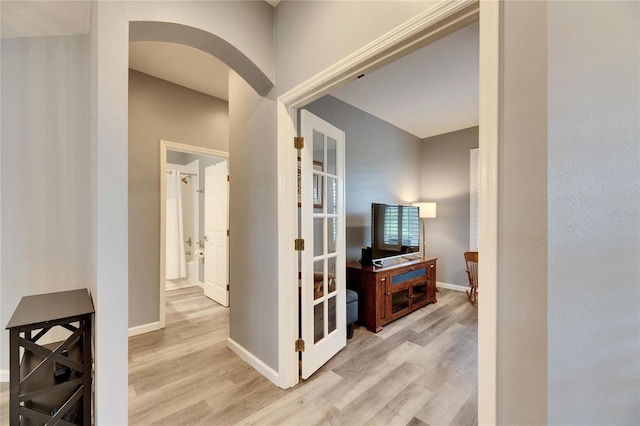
(471, 259)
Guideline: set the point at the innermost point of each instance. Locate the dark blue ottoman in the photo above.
(352, 311)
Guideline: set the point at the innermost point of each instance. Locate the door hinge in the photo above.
(299, 345)
(227, 232)
(227, 287)
(298, 142)
(228, 178)
(299, 244)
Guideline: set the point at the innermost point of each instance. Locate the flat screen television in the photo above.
(395, 230)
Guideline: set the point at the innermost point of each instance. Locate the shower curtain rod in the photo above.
(184, 173)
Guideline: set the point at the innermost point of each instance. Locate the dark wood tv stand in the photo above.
(392, 291)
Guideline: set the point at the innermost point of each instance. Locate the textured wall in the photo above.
(445, 180)
(522, 218)
(253, 317)
(47, 173)
(594, 213)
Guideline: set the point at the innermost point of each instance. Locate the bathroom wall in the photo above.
(205, 161)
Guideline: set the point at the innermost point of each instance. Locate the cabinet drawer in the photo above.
(403, 277)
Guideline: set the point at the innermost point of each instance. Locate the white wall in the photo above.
(246, 25)
(594, 213)
(47, 172)
(382, 166)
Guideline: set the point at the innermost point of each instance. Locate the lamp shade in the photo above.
(427, 210)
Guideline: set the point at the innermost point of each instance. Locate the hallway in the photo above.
(421, 369)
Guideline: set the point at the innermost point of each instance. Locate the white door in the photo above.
(323, 303)
(216, 210)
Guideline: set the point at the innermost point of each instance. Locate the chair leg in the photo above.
(472, 294)
(350, 328)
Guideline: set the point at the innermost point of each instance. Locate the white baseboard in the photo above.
(144, 328)
(454, 287)
(200, 284)
(4, 376)
(169, 286)
(250, 359)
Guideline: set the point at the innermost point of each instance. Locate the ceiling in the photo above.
(44, 18)
(183, 65)
(429, 92)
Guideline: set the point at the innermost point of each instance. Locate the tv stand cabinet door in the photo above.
(431, 281)
(383, 300)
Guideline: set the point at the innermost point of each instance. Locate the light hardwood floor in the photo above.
(421, 369)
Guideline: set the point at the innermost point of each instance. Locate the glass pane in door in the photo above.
(332, 196)
(331, 268)
(331, 156)
(318, 322)
(318, 236)
(318, 279)
(318, 147)
(319, 192)
(332, 234)
(332, 314)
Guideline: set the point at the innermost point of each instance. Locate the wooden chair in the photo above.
(471, 259)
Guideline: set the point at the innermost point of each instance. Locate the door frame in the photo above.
(441, 20)
(187, 149)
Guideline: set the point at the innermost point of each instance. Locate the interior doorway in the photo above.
(188, 256)
(398, 43)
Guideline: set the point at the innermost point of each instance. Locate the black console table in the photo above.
(51, 383)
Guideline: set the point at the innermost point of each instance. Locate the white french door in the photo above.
(216, 223)
(323, 272)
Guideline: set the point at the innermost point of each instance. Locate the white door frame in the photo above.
(444, 18)
(187, 149)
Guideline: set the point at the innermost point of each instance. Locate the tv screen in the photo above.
(395, 230)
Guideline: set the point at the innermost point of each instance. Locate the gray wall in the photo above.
(48, 239)
(594, 213)
(253, 316)
(382, 166)
(160, 110)
(522, 219)
(445, 180)
(248, 26)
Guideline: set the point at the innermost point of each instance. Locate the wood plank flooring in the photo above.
(421, 369)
